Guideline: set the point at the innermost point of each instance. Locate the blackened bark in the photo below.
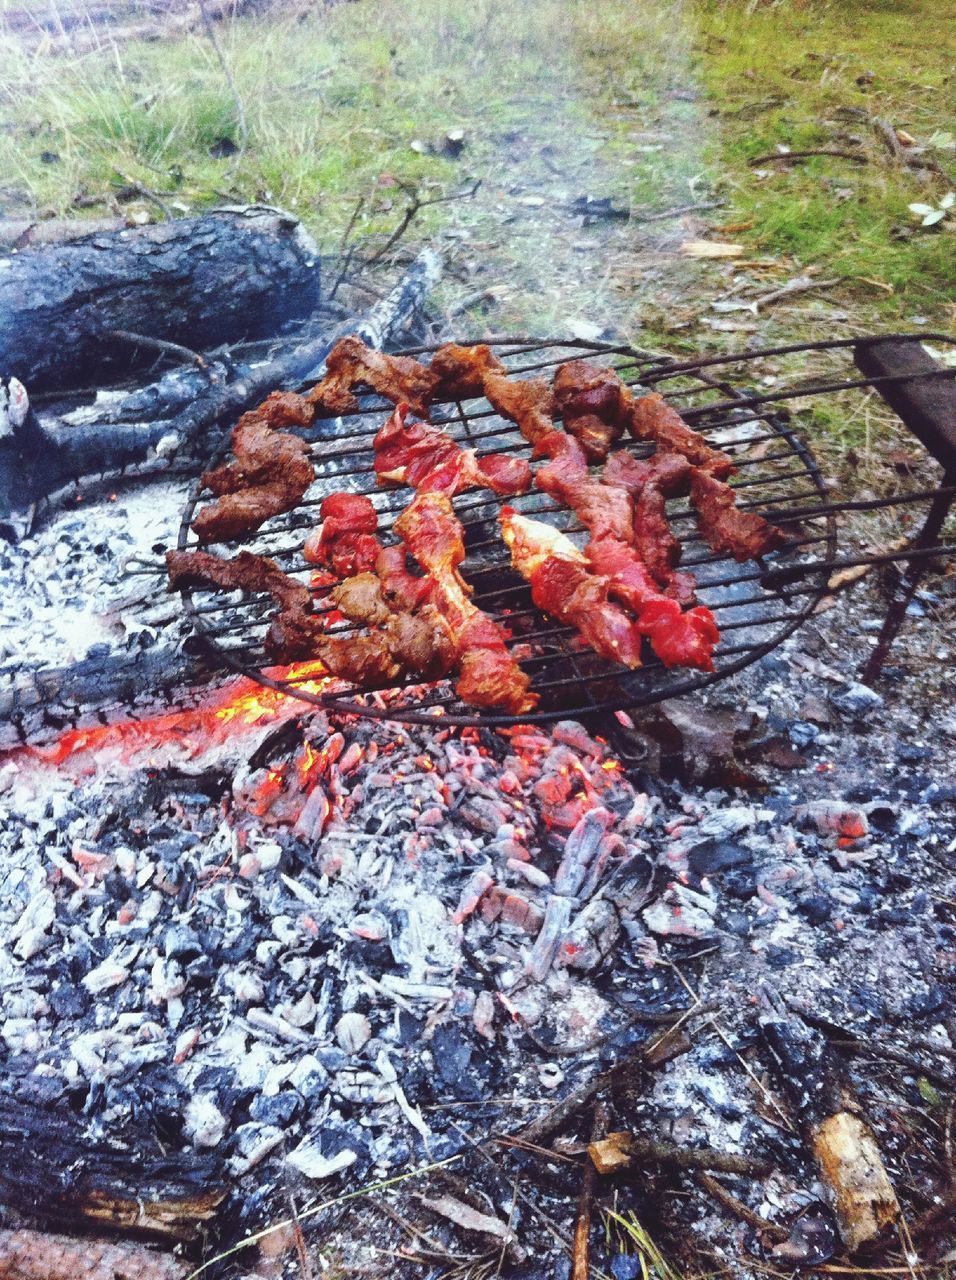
(36, 707)
(57, 1171)
(222, 278)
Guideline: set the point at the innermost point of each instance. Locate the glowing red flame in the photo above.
(233, 708)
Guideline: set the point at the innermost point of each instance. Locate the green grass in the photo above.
(655, 105)
(814, 75)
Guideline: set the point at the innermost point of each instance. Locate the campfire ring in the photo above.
(757, 604)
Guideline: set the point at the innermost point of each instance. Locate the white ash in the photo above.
(327, 993)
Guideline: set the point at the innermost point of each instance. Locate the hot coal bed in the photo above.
(298, 953)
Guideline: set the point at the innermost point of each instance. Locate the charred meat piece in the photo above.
(679, 639)
(270, 474)
(652, 418)
(432, 462)
(345, 541)
(726, 530)
(246, 572)
(361, 598)
(669, 471)
(655, 542)
(294, 632)
(363, 660)
(422, 642)
(488, 675)
(458, 373)
(602, 508)
(351, 363)
(594, 405)
(527, 402)
(563, 585)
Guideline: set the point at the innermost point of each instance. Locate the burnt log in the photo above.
(56, 1171)
(41, 452)
(231, 275)
(38, 707)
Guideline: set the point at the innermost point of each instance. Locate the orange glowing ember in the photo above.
(233, 708)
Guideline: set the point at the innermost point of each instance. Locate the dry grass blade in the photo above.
(625, 1230)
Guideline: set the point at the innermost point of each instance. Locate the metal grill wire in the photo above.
(757, 604)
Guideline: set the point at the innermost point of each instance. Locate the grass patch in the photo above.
(655, 106)
(815, 75)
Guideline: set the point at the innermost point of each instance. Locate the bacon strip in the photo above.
(727, 530)
(432, 462)
(489, 675)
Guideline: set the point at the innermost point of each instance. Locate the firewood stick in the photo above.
(739, 1209)
(619, 1150)
(33, 1255)
(581, 1250)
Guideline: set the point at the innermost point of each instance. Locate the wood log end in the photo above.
(850, 1161)
(610, 1154)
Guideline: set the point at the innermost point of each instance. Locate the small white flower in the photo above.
(931, 214)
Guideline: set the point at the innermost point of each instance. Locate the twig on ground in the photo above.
(581, 1255)
(877, 1049)
(305, 1266)
(677, 212)
(774, 156)
(240, 109)
(410, 213)
(471, 300)
(343, 271)
(136, 188)
(347, 251)
(788, 291)
(739, 1209)
(890, 140)
(546, 1152)
(160, 344)
(619, 1150)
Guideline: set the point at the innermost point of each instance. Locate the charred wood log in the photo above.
(73, 1178)
(37, 707)
(42, 452)
(844, 1147)
(233, 274)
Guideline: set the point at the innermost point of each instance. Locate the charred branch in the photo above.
(236, 273)
(74, 1178)
(60, 446)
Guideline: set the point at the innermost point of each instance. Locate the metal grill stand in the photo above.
(757, 604)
